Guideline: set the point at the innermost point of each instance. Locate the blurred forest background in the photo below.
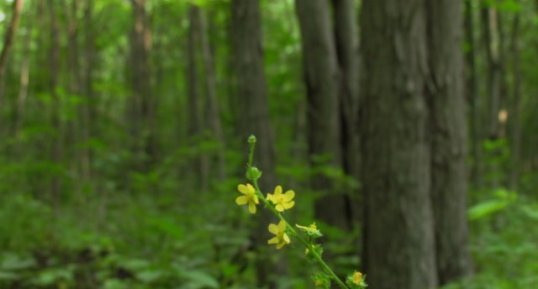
(408, 130)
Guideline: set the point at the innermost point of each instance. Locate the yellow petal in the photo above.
(282, 226)
(279, 208)
(280, 245)
(289, 195)
(289, 205)
(242, 189)
(250, 189)
(273, 240)
(273, 229)
(270, 197)
(357, 278)
(252, 208)
(286, 238)
(278, 190)
(255, 199)
(241, 200)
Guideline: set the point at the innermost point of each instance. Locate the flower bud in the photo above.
(253, 173)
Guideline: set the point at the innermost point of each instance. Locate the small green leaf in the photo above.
(317, 249)
(201, 279)
(321, 280)
(312, 230)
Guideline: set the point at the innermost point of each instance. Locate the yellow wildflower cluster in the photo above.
(280, 201)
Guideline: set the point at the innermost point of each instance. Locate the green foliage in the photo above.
(501, 200)
(511, 6)
(505, 254)
(121, 227)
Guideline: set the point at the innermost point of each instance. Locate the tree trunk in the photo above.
(253, 109)
(24, 81)
(347, 51)
(58, 137)
(8, 43)
(88, 110)
(212, 104)
(321, 75)
(395, 162)
(250, 83)
(193, 94)
(492, 46)
(448, 125)
(516, 106)
(143, 112)
(76, 132)
(473, 97)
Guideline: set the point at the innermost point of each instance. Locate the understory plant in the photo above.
(284, 233)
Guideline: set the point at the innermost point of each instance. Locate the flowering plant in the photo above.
(283, 232)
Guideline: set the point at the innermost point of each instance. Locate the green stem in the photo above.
(307, 244)
(252, 146)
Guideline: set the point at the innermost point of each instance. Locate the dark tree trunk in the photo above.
(143, 102)
(395, 162)
(247, 53)
(8, 43)
(321, 75)
(448, 126)
(471, 90)
(212, 103)
(24, 83)
(56, 149)
(193, 94)
(88, 111)
(516, 105)
(76, 136)
(347, 45)
(253, 106)
(490, 38)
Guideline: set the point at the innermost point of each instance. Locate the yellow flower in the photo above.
(248, 198)
(281, 238)
(357, 278)
(282, 201)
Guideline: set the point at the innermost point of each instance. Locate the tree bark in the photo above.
(212, 103)
(516, 106)
(492, 46)
(253, 109)
(399, 244)
(143, 112)
(448, 125)
(8, 43)
(57, 143)
(24, 80)
(251, 87)
(193, 94)
(88, 111)
(473, 96)
(77, 132)
(322, 80)
(347, 51)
